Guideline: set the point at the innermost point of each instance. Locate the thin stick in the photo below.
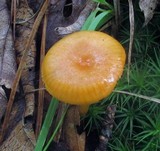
(41, 85)
(131, 19)
(139, 96)
(13, 15)
(20, 68)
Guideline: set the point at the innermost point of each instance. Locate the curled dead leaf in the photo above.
(17, 140)
(28, 74)
(147, 7)
(7, 54)
(74, 141)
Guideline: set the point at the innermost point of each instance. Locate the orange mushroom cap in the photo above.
(83, 67)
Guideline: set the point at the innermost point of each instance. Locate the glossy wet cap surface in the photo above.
(83, 67)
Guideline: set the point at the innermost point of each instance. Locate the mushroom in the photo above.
(83, 68)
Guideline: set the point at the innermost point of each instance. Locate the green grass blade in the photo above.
(56, 129)
(46, 125)
(89, 20)
(101, 19)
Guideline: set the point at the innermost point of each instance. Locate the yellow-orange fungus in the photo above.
(83, 67)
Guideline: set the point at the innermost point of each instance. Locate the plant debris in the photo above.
(74, 141)
(107, 126)
(148, 7)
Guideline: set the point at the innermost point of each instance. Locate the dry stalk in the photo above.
(131, 19)
(41, 85)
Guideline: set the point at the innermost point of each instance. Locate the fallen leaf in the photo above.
(147, 7)
(15, 137)
(17, 141)
(77, 25)
(23, 30)
(74, 141)
(3, 102)
(7, 54)
(56, 18)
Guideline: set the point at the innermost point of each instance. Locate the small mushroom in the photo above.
(83, 68)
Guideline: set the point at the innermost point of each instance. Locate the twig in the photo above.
(20, 68)
(131, 19)
(41, 93)
(117, 15)
(13, 15)
(139, 96)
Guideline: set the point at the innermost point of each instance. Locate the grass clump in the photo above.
(137, 120)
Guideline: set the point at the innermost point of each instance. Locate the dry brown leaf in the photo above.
(7, 55)
(16, 131)
(13, 133)
(77, 25)
(17, 141)
(148, 7)
(19, 71)
(23, 31)
(74, 141)
(56, 18)
(3, 102)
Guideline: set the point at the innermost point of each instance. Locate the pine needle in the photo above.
(139, 96)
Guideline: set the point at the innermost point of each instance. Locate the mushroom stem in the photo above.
(83, 109)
